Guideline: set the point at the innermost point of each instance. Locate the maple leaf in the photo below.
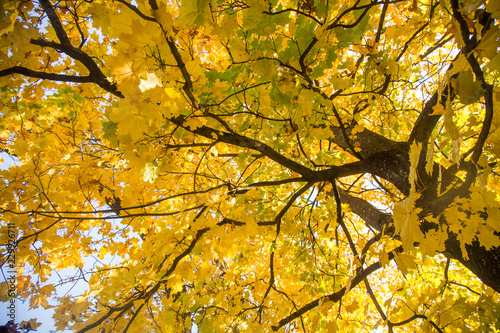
(252, 166)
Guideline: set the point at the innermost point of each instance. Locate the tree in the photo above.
(260, 165)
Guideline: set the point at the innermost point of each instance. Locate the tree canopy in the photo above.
(254, 165)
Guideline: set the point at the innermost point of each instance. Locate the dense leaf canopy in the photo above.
(253, 165)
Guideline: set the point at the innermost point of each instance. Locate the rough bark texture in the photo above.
(484, 264)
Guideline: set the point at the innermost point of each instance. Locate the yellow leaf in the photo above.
(8, 15)
(487, 237)
(163, 17)
(38, 300)
(150, 82)
(33, 324)
(103, 252)
(493, 7)
(332, 327)
(192, 12)
(384, 257)
(453, 132)
(404, 262)
(434, 242)
(468, 90)
(193, 123)
(353, 306)
(488, 46)
(415, 150)
(149, 173)
(438, 109)
(129, 123)
(407, 222)
(429, 158)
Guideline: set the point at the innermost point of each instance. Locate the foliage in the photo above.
(254, 165)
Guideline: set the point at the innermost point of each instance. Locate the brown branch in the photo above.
(45, 76)
(407, 43)
(245, 142)
(470, 44)
(136, 312)
(335, 297)
(340, 221)
(271, 283)
(108, 211)
(370, 214)
(293, 11)
(439, 204)
(122, 215)
(365, 8)
(381, 22)
(188, 84)
(412, 318)
(426, 121)
(370, 142)
(343, 130)
(137, 11)
(154, 289)
(392, 166)
(65, 46)
(303, 56)
(95, 74)
(289, 204)
(55, 22)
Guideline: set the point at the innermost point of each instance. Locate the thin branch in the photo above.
(289, 204)
(55, 22)
(340, 221)
(412, 318)
(381, 22)
(107, 211)
(154, 289)
(96, 74)
(45, 76)
(136, 312)
(271, 282)
(335, 297)
(293, 11)
(137, 11)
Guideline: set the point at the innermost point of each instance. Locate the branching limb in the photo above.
(146, 295)
(412, 318)
(289, 204)
(335, 297)
(55, 22)
(45, 76)
(340, 221)
(65, 46)
(470, 44)
(270, 284)
(137, 11)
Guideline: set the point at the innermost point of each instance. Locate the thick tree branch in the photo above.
(392, 166)
(65, 46)
(55, 22)
(373, 217)
(427, 120)
(95, 74)
(484, 263)
(368, 142)
(412, 318)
